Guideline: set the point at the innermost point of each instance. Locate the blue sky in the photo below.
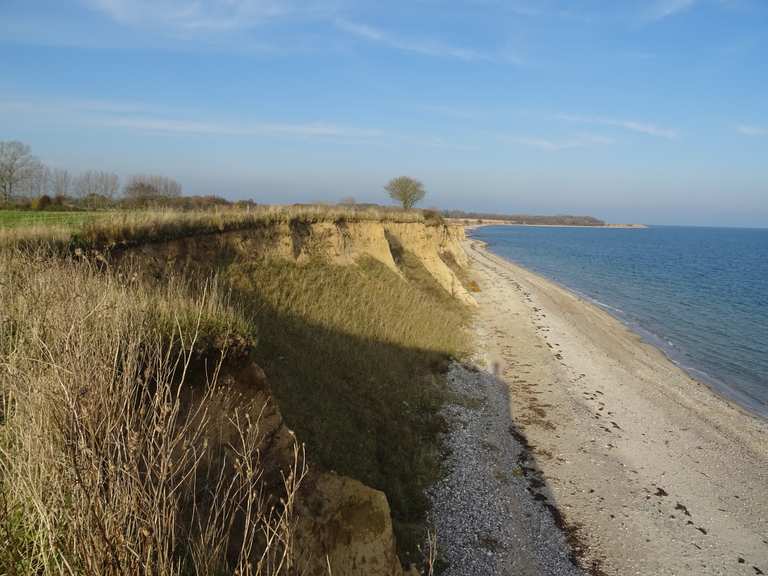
(652, 111)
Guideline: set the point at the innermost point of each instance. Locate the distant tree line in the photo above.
(557, 220)
(26, 182)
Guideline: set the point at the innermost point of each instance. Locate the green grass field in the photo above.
(20, 218)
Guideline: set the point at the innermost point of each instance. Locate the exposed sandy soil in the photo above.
(653, 472)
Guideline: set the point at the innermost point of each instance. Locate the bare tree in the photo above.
(348, 201)
(407, 191)
(151, 187)
(85, 184)
(109, 184)
(38, 182)
(97, 183)
(17, 168)
(61, 182)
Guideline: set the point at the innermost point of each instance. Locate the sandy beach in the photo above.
(649, 471)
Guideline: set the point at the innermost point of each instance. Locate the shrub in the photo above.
(41, 202)
(432, 217)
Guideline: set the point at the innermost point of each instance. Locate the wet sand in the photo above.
(649, 471)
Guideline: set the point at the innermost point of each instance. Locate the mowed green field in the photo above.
(21, 218)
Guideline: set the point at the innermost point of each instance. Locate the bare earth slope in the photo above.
(654, 473)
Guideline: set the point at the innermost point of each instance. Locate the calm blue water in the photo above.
(700, 294)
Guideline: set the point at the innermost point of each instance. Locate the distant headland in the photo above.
(560, 220)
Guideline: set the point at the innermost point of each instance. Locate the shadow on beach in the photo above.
(494, 512)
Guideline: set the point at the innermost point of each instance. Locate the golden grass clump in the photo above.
(108, 465)
(40, 235)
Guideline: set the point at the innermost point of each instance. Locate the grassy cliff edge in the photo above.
(352, 318)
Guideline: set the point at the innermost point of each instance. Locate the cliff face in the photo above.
(339, 242)
(341, 522)
(338, 522)
(433, 245)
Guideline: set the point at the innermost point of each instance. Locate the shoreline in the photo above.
(653, 471)
(718, 387)
(472, 226)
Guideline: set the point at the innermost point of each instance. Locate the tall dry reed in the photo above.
(108, 465)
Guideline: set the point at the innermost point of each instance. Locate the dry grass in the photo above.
(154, 226)
(430, 553)
(355, 356)
(40, 235)
(147, 226)
(107, 465)
(473, 286)
(91, 361)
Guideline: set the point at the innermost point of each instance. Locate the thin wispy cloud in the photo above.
(137, 116)
(418, 46)
(321, 130)
(534, 9)
(72, 107)
(548, 145)
(646, 128)
(107, 106)
(309, 130)
(662, 9)
(211, 15)
(529, 8)
(749, 130)
(450, 111)
(422, 141)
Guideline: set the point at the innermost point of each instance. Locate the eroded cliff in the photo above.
(340, 242)
(340, 526)
(342, 523)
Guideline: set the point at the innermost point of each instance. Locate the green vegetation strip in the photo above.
(22, 218)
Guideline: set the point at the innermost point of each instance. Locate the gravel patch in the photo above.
(486, 519)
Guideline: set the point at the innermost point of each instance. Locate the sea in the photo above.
(699, 294)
